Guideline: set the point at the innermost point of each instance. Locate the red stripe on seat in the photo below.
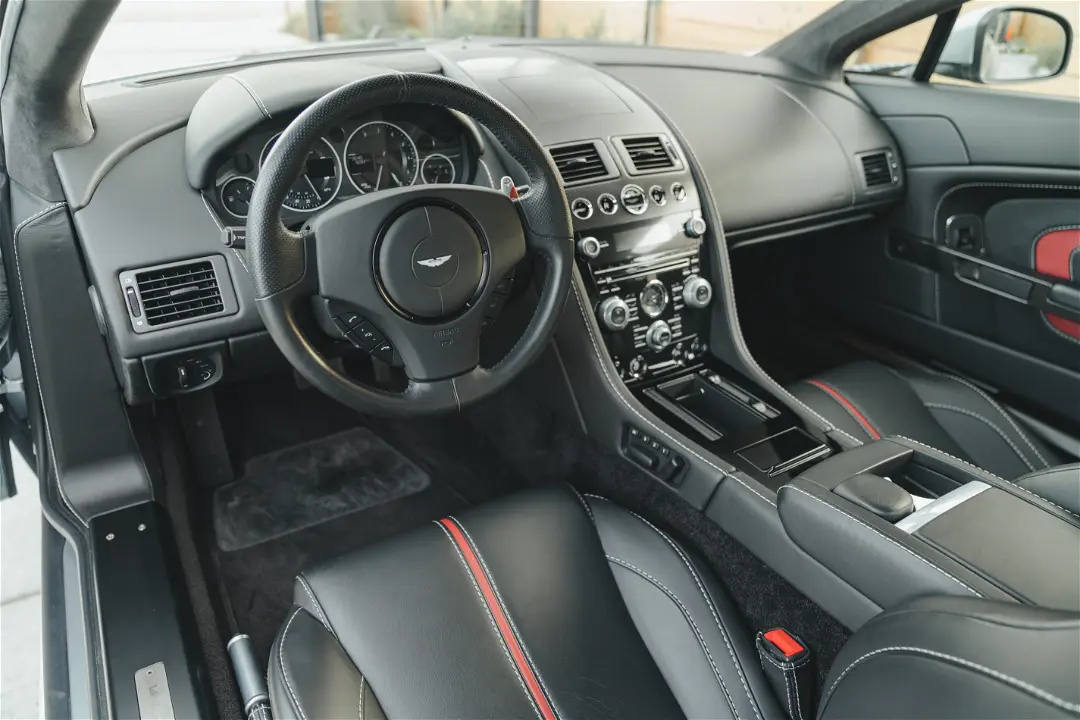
(859, 417)
(501, 622)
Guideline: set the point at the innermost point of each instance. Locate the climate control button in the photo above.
(653, 298)
(658, 336)
(589, 247)
(697, 292)
(634, 199)
(614, 313)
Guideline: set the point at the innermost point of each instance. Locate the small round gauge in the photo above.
(236, 195)
(320, 181)
(437, 168)
(380, 155)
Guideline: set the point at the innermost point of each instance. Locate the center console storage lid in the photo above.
(988, 538)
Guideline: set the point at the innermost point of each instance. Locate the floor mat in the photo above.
(309, 484)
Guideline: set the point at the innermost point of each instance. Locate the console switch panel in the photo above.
(654, 456)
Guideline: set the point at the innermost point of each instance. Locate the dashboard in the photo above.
(391, 147)
(161, 190)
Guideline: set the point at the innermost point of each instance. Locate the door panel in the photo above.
(984, 243)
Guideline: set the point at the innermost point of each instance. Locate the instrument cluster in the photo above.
(390, 147)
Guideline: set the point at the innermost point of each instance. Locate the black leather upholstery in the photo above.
(870, 400)
(614, 617)
(550, 605)
(954, 657)
(1059, 485)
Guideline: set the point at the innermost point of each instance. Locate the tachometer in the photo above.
(236, 195)
(320, 181)
(380, 155)
(437, 168)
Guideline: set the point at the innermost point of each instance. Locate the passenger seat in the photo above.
(869, 400)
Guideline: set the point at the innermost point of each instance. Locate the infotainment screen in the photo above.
(662, 234)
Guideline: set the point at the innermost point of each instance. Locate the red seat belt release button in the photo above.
(784, 643)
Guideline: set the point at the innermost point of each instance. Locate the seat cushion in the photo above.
(545, 604)
(869, 400)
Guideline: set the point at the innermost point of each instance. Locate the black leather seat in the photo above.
(548, 605)
(869, 400)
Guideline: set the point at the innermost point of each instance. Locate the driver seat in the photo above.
(549, 605)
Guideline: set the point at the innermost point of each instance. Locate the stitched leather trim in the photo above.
(315, 601)
(501, 618)
(848, 406)
(689, 620)
(912, 553)
(712, 608)
(33, 359)
(988, 423)
(994, 404)
(281, 663)
(996, 674)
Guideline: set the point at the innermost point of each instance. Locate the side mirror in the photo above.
(1006, 44)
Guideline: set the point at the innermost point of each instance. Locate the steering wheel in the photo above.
(418, 263)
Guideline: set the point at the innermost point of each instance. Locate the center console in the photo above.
(859, 514)
(647, 274)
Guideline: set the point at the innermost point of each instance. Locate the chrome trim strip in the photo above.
(942, 505)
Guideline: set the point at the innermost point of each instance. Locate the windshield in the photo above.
(155, 35)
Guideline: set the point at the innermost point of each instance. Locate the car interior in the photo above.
(523, 378)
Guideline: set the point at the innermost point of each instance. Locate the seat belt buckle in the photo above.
(789, 667)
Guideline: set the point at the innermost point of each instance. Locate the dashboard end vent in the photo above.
(178, 293)
(649, 154)
(880, 169)
(581, 162)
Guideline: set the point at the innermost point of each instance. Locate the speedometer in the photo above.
(320, 180)
(380, 155)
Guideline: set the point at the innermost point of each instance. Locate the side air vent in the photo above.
(582, 162)
(644, 154)
(880, 169)
(178, 293)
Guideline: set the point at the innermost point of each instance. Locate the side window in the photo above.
(1026, 47)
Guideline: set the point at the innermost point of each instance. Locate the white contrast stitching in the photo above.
(794, 710)
(910, 552)
(995, 428)
(33, 359)
(996, 406)
(689, 618)
(618, 393)
(953, 457)
(251, 91)
(584, 504)
(1048, 502)
(997, 674)
(281, 662)
(709, 604)
(316, 603)
(361, 697)
(487, 171)
(506, 613)
(491, 618)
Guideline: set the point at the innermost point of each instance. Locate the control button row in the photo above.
(654, 456)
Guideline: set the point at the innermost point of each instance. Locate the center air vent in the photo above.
(648, 154)
(177, 293)
(582, 162)
(880, 169)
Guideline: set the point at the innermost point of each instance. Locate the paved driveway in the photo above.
(20, 597)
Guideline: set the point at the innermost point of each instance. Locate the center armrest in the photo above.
(987, 538)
